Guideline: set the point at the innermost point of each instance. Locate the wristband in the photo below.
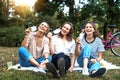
(77, 43)
(97, 60)
(46, 58)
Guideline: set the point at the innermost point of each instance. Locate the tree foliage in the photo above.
(52, 11)
(3, 13)
(23, 11)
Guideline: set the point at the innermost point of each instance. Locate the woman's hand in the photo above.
(27, 31)
(78, 40)
(49, 35)
(42, 65)
(46, 61)
(70, 68)
(93, 60)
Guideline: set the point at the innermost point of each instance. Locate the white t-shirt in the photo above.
(66, 47)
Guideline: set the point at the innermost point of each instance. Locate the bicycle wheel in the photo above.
(115, 44)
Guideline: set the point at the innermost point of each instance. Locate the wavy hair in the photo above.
(70, 34)
(95, 33)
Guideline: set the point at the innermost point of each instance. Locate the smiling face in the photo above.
(43, 27)
(89, 29)
(65, 29)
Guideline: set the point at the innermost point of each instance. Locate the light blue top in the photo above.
(96, 45)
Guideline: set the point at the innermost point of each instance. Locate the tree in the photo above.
(3, 12)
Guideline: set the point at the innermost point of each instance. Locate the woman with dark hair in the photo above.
(61, 45)
(89, 50)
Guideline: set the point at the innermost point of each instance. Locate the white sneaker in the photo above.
(85, 71)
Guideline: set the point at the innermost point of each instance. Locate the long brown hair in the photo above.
(95, 33)
(70, 34)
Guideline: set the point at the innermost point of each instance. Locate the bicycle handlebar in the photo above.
(111, 26)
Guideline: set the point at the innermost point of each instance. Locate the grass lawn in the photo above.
(10, 54)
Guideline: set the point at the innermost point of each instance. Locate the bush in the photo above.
(11, 36)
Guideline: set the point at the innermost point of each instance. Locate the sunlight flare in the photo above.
(25, 2)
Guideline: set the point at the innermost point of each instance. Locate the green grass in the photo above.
(10, 54)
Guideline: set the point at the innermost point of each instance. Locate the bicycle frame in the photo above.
(106, 42)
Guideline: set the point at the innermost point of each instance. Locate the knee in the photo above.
(61, 54)
(21, 49)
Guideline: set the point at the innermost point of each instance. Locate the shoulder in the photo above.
(32, 34)
(73, 41)
(46, 39)
(98, 39)
(55, 37)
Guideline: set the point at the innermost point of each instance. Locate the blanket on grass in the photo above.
(104, 63)
(35, 69)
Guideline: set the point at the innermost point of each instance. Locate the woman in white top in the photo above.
(61, 45)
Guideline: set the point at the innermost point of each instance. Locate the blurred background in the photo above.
(17, 15)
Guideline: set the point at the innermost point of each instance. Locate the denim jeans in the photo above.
(86, 54)
(25, 56)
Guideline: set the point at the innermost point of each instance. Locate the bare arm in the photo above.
(98, 59)
(51, 44)
(77, 49)
(74, 56)
(26, 40)
(99, 56)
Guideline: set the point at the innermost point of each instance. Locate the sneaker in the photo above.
(99, 72)
(85, 71)
(41, 70)
(61, 66)
(51, 68)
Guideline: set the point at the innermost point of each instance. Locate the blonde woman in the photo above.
(34, 50)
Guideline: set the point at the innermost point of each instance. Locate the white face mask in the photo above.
(33, 28)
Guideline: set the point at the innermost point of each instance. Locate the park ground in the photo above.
(10, 54)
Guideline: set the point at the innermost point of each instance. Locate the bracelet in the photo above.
(97, 60)
(46, 58)
(77, 43)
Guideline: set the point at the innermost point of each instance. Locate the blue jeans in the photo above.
(25, 56)
(86, 54)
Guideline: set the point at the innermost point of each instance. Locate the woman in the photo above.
(89, 51)
(34, 50)
(61, 45)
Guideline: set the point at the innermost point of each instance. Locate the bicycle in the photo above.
(112, 41)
